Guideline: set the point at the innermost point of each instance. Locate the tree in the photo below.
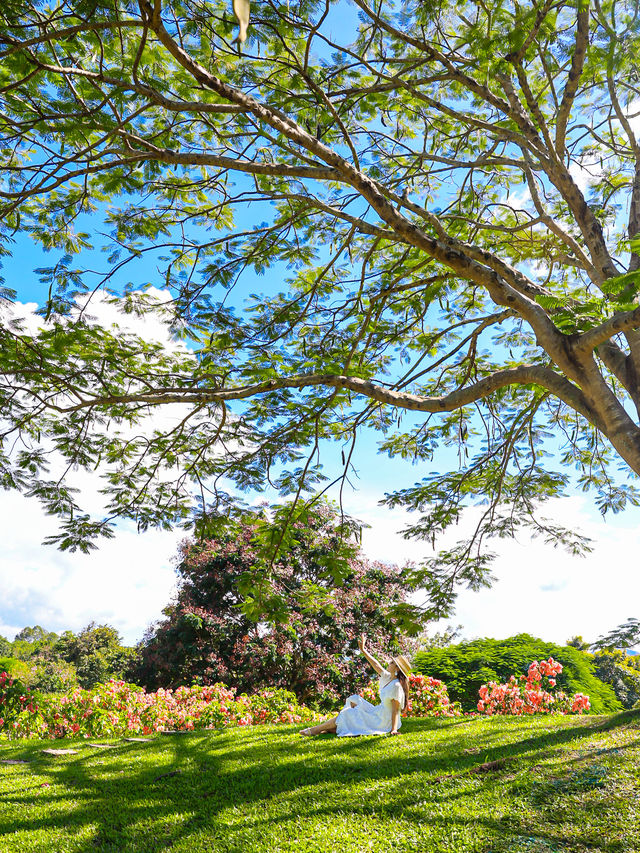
(96, 652)
(612, 664)
(441, 639)
(32, 634)
(312, 648)
(614, 667)
(31, 641)
(623, 637)
(578, 642)
(449, 194)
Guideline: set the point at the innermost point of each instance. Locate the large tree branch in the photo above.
(633, 228)
(593, 338)
(133, 86)
(517, 56)
(575, 73)
(370, 190)
(516, 279)
(526, 374)
(590, 227)
(189, 158)
(555, 228)
(497, 278)
(359, 223)
(528, 140)
(374, 193)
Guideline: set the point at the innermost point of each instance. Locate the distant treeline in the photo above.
(56, 663)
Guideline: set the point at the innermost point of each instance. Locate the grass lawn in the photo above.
(558, 784)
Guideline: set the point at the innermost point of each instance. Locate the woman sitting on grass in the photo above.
(359, 717)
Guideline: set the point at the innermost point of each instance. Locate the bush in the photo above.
(428, 697)
(117, 708)
(51, 676)
(465, 667)
(15, 668)
(16, 700)
(536, 693)
(42, 674)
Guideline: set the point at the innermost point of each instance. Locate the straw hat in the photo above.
(403, 664)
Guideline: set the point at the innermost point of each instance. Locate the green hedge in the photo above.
(466, 666)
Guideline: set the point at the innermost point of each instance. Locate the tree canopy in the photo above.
(211, 631)
(96, 654)
(443, 200)
(622, 637)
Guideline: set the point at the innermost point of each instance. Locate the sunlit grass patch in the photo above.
(503, 785)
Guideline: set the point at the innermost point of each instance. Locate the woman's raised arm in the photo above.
(374, 663)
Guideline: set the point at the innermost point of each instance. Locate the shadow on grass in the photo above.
(147, 797)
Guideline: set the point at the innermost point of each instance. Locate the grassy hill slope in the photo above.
(501, 785)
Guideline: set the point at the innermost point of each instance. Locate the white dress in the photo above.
(368, 719)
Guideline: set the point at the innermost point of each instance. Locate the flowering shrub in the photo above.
(531, 694)
(15, 699)
(465, 667)
(428, 697)
(118, 708)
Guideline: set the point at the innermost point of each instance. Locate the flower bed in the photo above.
(116, 708)
(534, 693)
(428, 697)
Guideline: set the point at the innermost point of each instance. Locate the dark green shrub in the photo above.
(466, 666)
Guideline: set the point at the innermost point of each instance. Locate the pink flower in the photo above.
(526, 695)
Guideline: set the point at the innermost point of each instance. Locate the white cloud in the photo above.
(519, 199)
(633, 114)
(125, 583)
(129, 579)
(590, 168)
(585, 171)
(539, 589)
